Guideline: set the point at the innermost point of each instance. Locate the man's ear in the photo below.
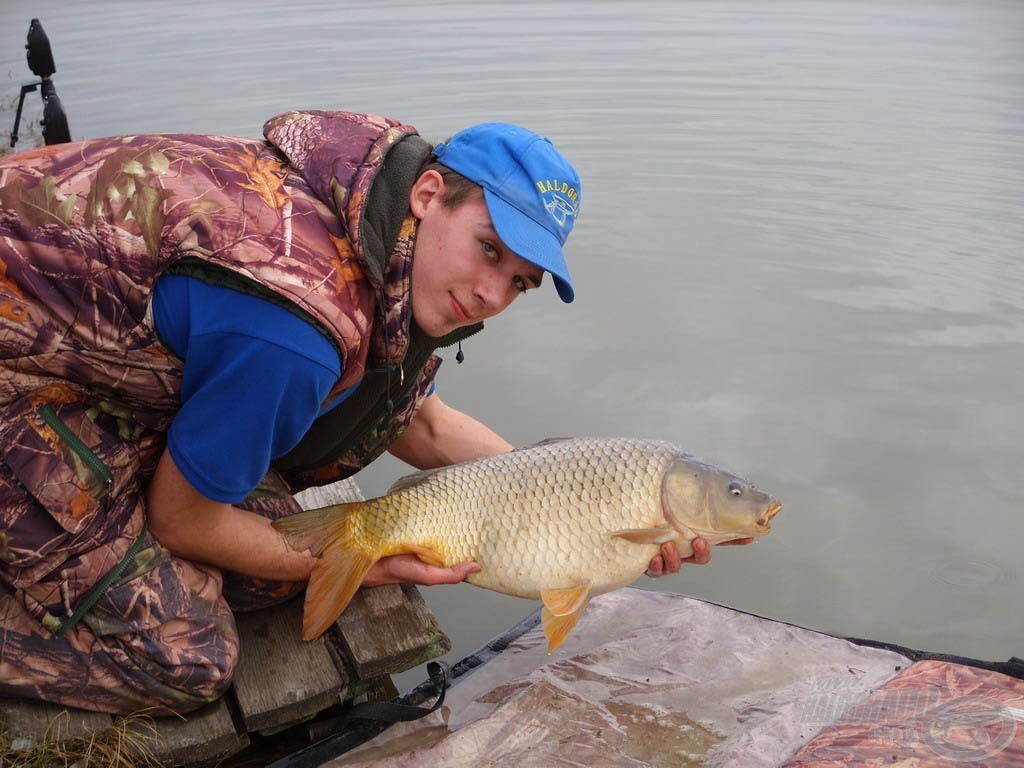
(425, 190)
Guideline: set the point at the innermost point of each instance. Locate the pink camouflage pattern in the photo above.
(87, 389)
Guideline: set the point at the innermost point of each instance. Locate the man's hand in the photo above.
(409, 569)
(669, 561)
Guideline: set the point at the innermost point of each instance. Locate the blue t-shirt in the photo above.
(255, 378)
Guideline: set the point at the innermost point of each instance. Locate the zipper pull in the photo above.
(389, 404)
(459, 357)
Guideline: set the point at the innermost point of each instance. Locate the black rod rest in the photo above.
(40, 61)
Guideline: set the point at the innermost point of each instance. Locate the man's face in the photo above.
(462, 273)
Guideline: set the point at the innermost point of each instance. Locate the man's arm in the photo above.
(440, 435)
(196, 528)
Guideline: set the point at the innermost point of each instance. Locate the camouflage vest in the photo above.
(86, 229)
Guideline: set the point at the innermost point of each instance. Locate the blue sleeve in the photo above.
(255, 378)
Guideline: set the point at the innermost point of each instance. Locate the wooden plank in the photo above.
(389, 629)
(202, 737)
(282, 679)
(29, 723)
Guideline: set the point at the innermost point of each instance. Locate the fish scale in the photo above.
(561, 521)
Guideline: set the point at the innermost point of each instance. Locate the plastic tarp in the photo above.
(645, 679)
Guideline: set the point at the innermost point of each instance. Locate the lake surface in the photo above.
(799, 256)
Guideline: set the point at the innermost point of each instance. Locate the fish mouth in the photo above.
(765, 517)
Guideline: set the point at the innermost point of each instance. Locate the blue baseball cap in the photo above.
(532, 192)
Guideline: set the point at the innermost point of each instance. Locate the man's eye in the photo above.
(490, 251)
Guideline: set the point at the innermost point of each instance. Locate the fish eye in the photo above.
(736, 489)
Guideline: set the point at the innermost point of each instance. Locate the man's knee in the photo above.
(181, 666)
(201, 679)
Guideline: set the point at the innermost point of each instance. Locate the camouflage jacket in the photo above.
(86, 229)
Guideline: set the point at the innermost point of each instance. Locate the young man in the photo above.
(193, 328)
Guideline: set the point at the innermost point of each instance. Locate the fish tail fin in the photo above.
(341, 564)
(314, 528)
(336, 576)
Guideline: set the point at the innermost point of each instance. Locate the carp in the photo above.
(561, 521)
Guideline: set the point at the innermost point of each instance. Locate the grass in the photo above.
(124, 744)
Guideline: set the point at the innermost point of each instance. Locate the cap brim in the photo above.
(528, 239)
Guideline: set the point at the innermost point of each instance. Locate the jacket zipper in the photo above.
(92, 461)
(104, 584)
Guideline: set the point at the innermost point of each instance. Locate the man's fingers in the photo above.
(419, 572)
(656, 567)
(409, 569)
(670, 557)
(462, 570)
(701, 552)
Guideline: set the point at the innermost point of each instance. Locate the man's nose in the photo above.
(495, 292)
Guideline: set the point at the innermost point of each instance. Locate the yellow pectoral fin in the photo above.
(657, 535)
(426, 554)
(557, 628)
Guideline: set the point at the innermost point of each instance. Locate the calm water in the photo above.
(799, 255)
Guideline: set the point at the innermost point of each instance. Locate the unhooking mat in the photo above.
(652, 679)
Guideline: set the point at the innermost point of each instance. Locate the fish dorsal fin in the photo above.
(414, 479)
(547, 441)
(408, 481)
(657, 535)
(562, 609)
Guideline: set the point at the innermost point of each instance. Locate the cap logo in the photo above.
(561, 200)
